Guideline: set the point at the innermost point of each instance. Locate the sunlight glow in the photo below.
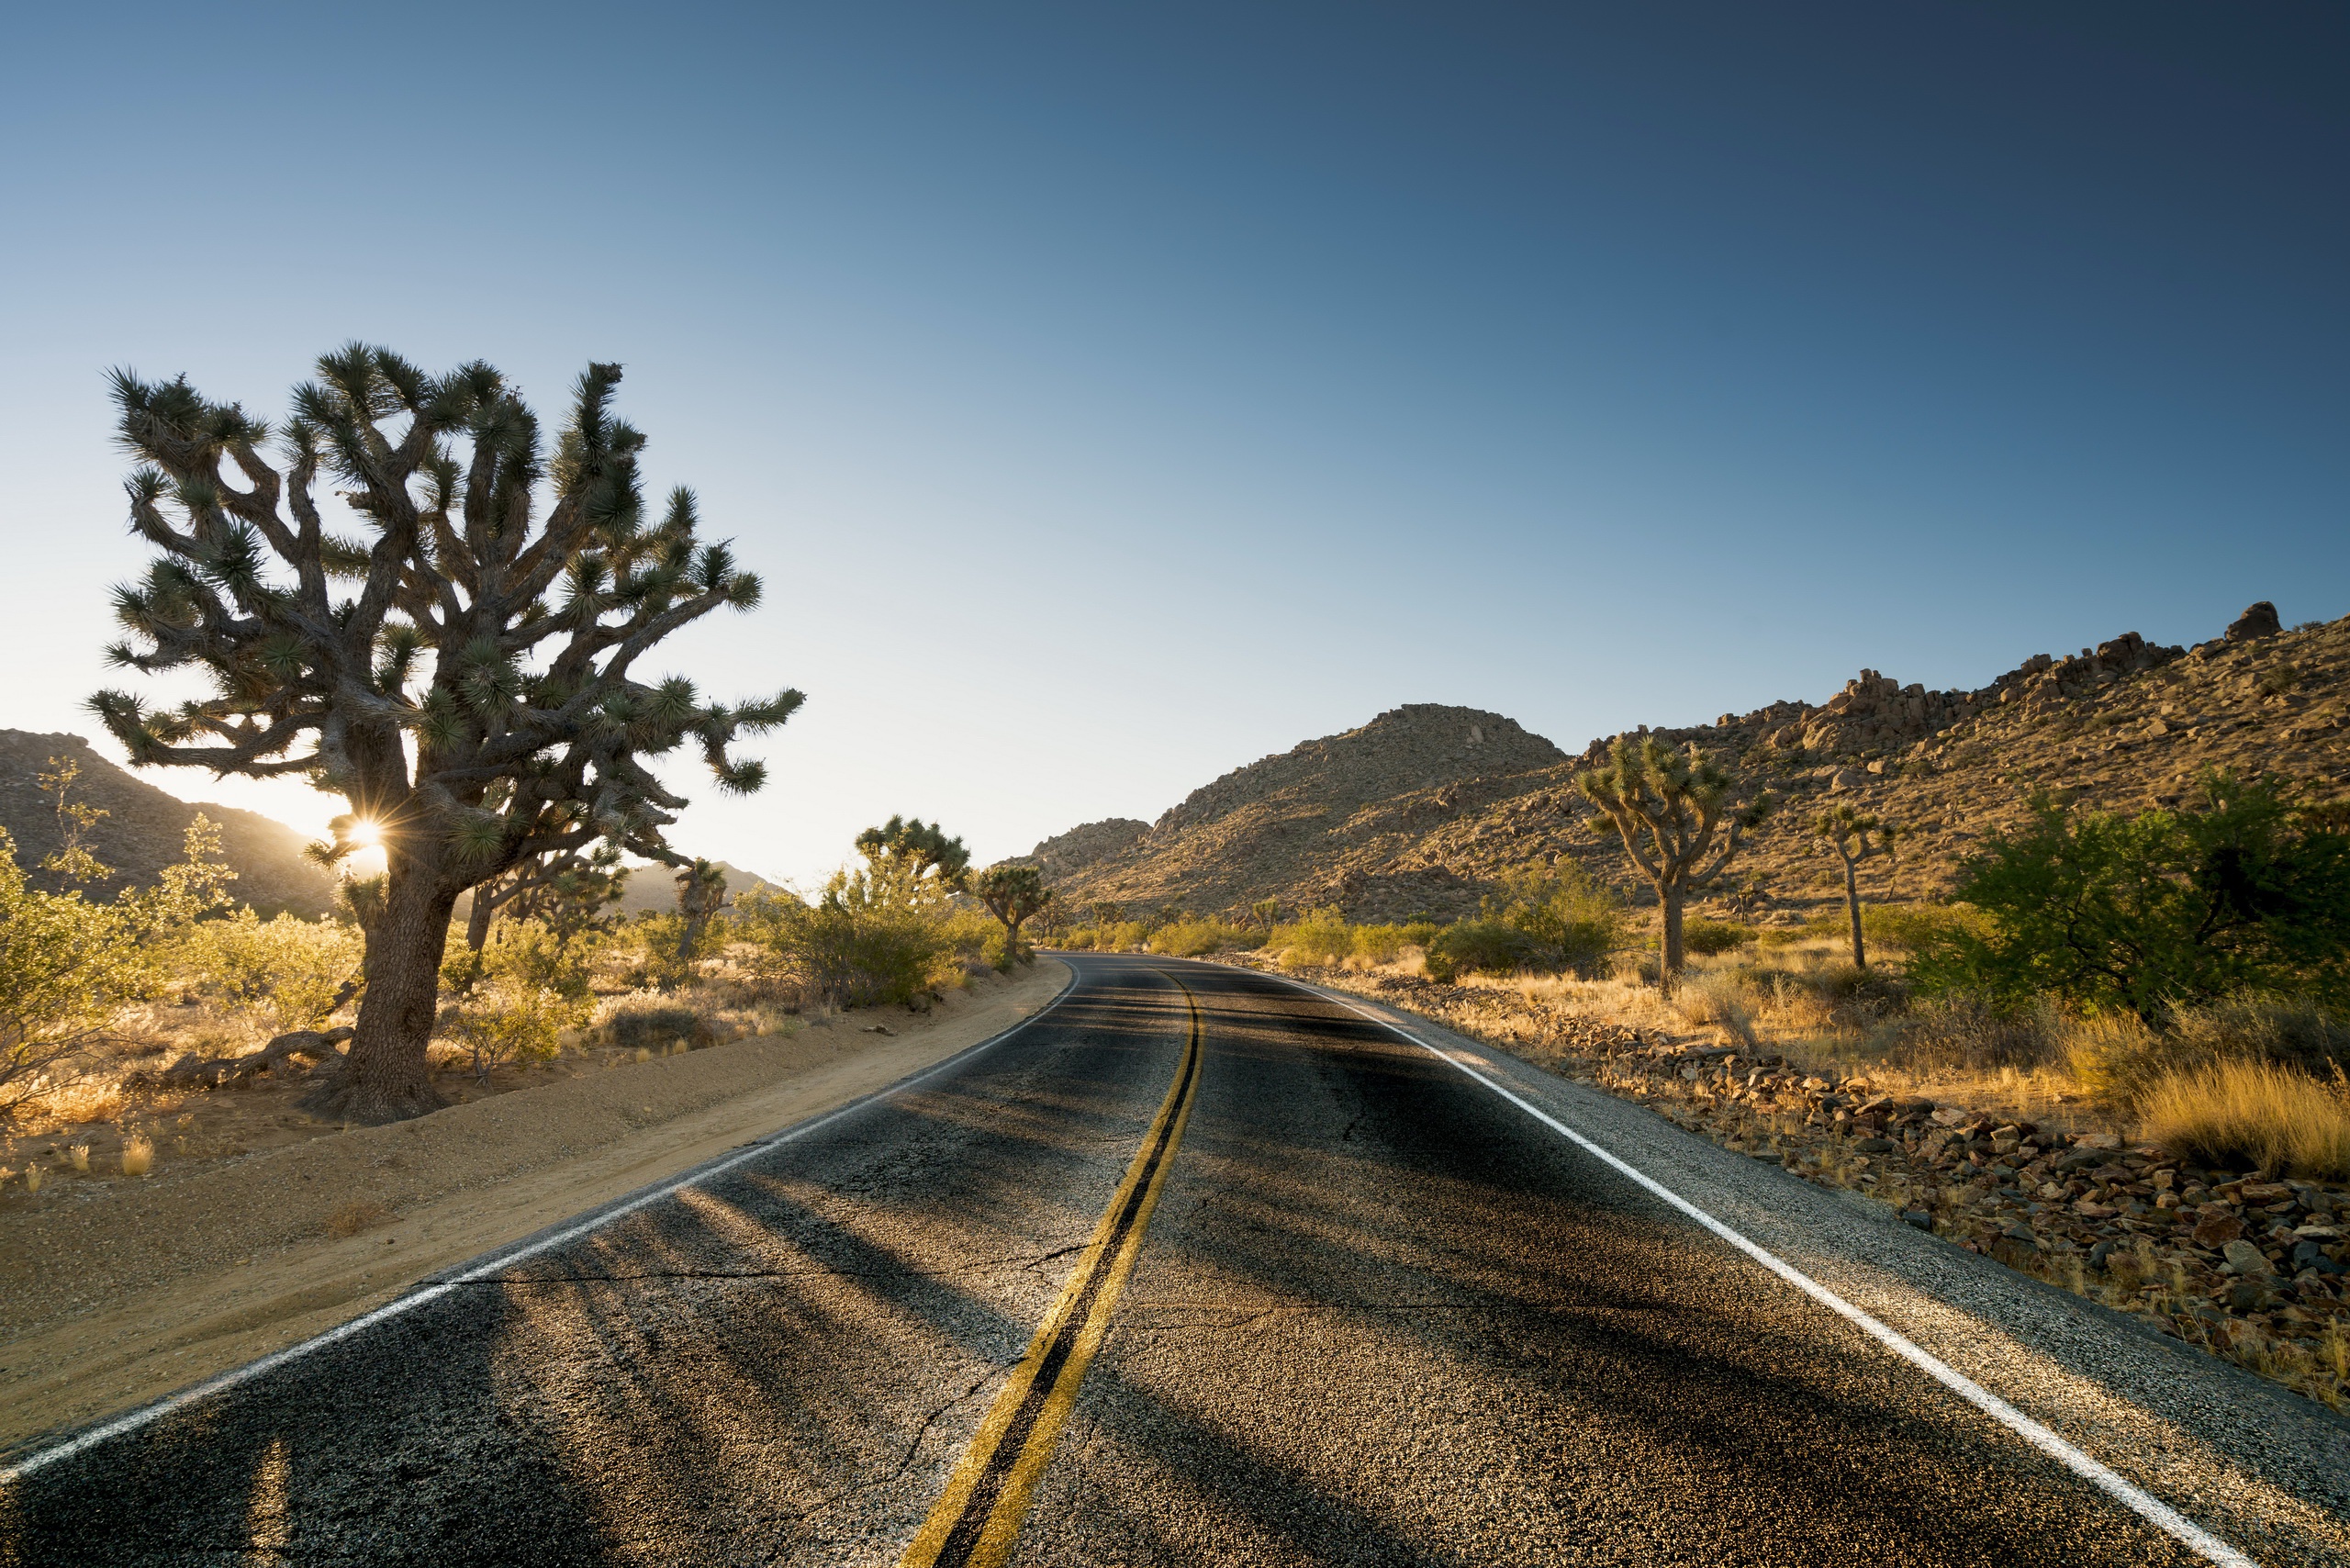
(364, 835)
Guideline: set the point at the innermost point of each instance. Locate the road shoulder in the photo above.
(169, 1284)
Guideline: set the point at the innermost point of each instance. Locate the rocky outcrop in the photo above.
(2257, 621)
(1083, 848)
(1416, 812)
(145, 828)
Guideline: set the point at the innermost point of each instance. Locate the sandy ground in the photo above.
(145, 1287)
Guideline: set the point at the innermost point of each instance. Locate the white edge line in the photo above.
(41, 1459)
(2135, 1498)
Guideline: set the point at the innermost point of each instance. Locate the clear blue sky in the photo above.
(1112, 394)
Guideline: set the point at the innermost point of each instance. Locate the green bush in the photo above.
(1322, 937)
(1710, 937)
(510, 1022)
(275, 975)
(1197, 938)
(647, 1022)
(846, 954)
(1386, 944)
(68, 969)
(1570, 922)
(1481, 946)
(2240, 892)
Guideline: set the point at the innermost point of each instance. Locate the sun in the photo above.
(363, 835)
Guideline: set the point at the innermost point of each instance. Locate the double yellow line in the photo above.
(978, 1518)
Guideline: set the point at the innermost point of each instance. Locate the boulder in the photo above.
(2257, 621)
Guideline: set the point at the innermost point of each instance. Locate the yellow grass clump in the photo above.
(79, 1153)
(138, 1156)
(2275, 1116)
(351, 1218)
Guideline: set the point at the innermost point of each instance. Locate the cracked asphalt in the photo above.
(1382, 1316)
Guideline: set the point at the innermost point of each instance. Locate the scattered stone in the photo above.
(2246, 1259)
(2217, 1227)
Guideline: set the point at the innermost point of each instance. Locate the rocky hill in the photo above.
(1417, 812)
(144, 828)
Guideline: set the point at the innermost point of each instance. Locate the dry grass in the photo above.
(137, 1156)
(2256, 1111)
(360, 1214)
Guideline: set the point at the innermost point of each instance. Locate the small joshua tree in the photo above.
(1012, 893)
(1854, 836)
(1266, 913)
(460, 666)
(1106, 913)
(1674, 811)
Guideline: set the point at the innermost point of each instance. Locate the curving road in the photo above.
(1199, 1267)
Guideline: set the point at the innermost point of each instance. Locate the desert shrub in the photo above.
(847, 952)
(1322, 936)
(1386, 942)
(510, 1022)
(271, 975)
(1960, 1030)
(1194, 938)
(1719, 998)
(524, 952)
(1570, 922)
(1078, 939)
(1707, 937)
(68, 969)
(1125, 936)
(2292, 1030)
(2151, 913)
(2121, 1060)
(969, 940)
(1904, 925)
(1481, 946)
(1851, 989)
(2256, 1112)
(645, 1019)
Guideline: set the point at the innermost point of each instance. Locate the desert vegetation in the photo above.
(169, 1023)
(454, 653)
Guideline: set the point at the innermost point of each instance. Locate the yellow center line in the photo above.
(978, 1518)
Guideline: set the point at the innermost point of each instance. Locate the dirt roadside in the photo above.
(149, 1288)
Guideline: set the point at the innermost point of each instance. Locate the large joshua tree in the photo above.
(1675, 814)
(460, 666)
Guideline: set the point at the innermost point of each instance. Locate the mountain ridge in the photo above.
(1416, 812)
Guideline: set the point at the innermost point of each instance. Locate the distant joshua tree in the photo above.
(1853, 837)
(910, 861)
(460, 666)
(1266, 913)
(1012, 893)
(1674, 811)
(701, 893)
(1106, 913)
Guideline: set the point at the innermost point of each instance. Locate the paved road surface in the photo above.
(1361, 1310)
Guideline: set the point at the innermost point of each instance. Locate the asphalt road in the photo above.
(1359, 1309)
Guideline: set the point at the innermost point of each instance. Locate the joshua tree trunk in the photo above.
(384, 1078)
(1853, 910)
(1669, 899)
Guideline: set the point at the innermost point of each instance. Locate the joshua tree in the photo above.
(1854, 837)
(1266, 913)
(909, 861)
(701, 893)
(472, 692)
(567, 892)
(1106, 913)
(1672, 810)
(1012, 893)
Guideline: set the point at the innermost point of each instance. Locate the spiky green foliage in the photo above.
(459, 660)
(910, 861)
(1854, 836)
(1676, 815)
